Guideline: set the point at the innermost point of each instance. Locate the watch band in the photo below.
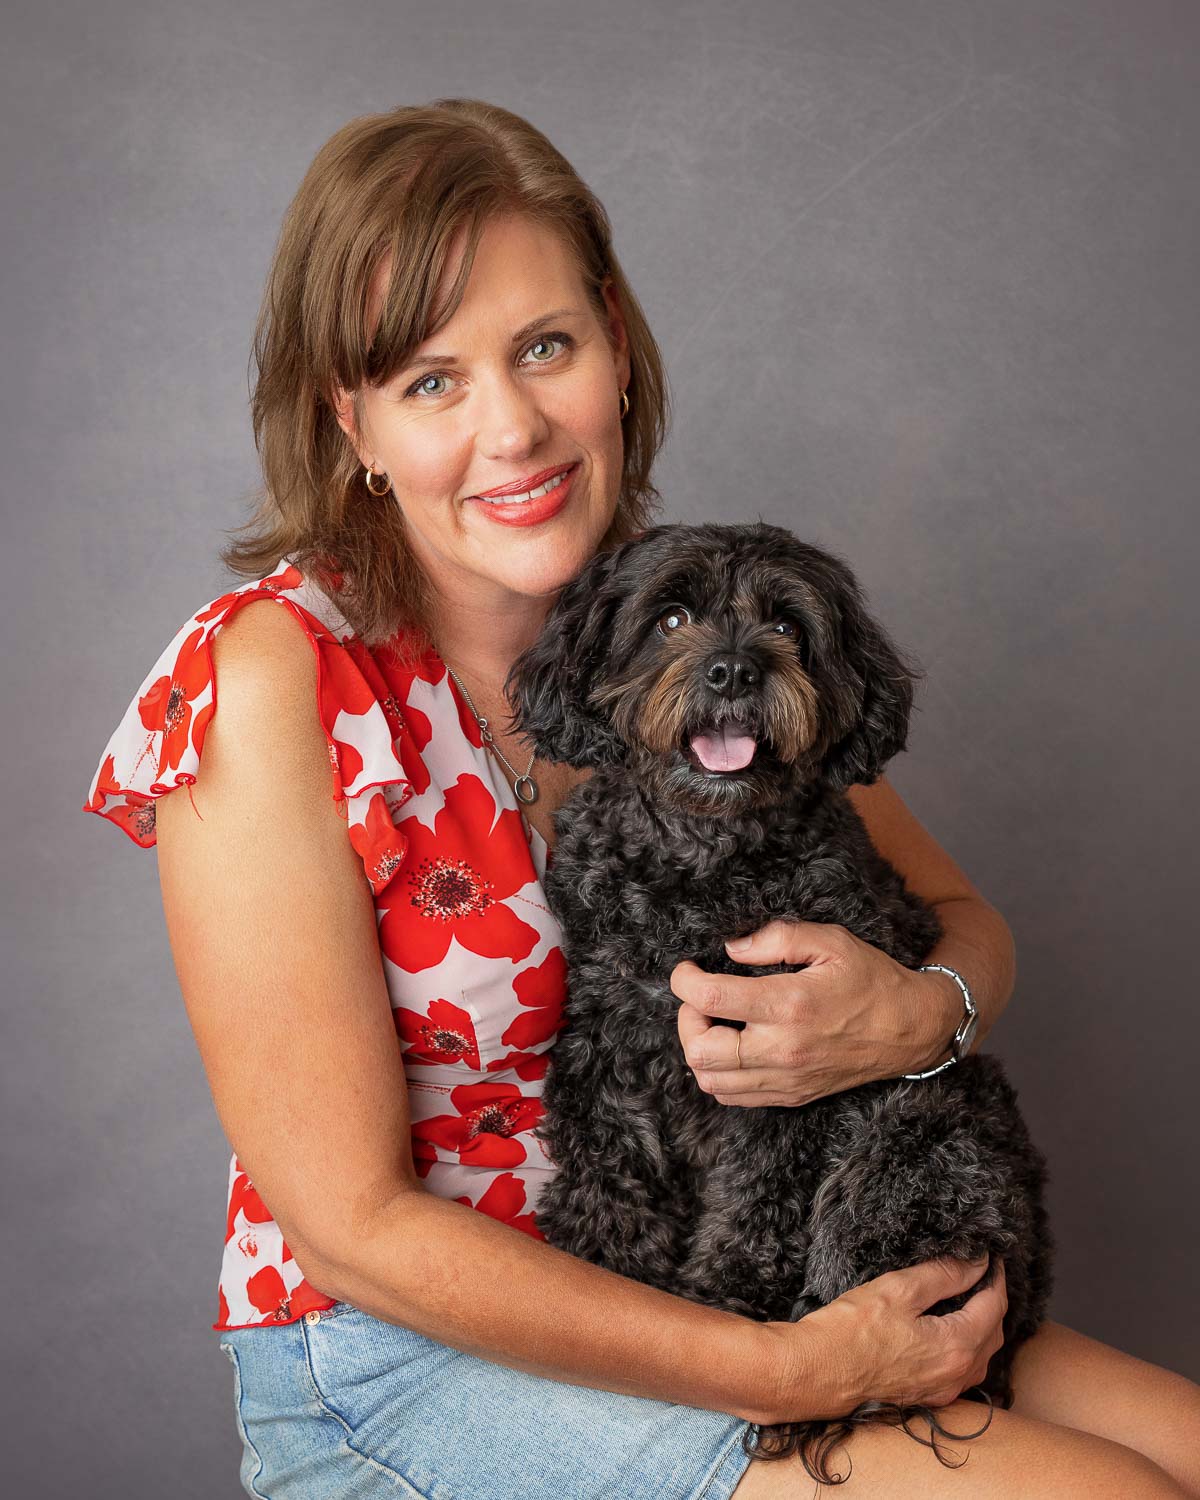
(961, 1040)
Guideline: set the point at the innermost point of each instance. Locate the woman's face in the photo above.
(523, 383)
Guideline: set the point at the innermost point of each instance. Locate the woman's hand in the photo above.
(876, 1342)
(853, 1016)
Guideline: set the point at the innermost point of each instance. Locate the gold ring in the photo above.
(739, 1049)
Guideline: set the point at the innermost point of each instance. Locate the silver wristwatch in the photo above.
(960, 1042)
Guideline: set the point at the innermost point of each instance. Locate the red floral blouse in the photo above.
(471, 954)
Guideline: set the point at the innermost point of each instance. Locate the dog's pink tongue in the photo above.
(724, 750)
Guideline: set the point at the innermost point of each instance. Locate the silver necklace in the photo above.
(525, 787)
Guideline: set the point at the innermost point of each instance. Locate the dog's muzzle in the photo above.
(729, 741)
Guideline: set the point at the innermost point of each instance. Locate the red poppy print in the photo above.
(413, 732)
(445, 1034)
(344, 691)
(540, 991)
(529, 1066)
(200, 724)
(505, 1200)
(428, 667)
(167, 706)
(267, 1291)
(467, 721)
(456, 898)
(411, 725)
(455, 884)
(305, 1297)
(290, 578)
(489, 1116)
(217, 607)
(244, 1199)
(378, 844)
(107, 785)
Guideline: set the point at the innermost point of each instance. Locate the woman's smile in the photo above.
(530, 508)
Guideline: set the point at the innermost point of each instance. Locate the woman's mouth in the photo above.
(539, 504)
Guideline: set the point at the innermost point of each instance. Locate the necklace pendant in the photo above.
(526, 789)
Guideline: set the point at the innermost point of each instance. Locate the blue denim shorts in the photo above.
(342, 1404)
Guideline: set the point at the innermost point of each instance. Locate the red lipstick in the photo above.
(521, 486)
(529, 512)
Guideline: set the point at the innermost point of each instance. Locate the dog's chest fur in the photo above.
(639, 891)
(636, 893)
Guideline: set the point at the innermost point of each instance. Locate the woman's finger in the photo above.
(931, 1281)
(978, 1319)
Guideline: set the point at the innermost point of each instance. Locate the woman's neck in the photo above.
(482, 640)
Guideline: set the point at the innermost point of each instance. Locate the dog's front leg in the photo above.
(614, 1199)
(933, 1167)
(748, 1252)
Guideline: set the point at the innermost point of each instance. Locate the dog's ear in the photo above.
(550, 681)
(871, 693)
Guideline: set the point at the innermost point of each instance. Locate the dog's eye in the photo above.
(673, 619)
(785, 627)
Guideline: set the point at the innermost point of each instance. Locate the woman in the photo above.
(445, 318)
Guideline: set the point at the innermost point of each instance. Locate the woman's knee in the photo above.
(1013, 1455)
(1066, 1378)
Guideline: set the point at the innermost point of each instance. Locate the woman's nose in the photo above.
(511, 422)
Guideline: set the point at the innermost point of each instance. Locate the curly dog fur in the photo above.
(774, 1211)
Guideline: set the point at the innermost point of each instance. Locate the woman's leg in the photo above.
(1065, 1377)
(1017, 1458)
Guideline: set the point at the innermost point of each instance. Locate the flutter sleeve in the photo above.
(156, 747)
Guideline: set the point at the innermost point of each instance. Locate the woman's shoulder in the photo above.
(264, 659)
(261, 649)
(290, 640)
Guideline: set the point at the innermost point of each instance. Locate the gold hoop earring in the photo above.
(387, 483)
(624, 406)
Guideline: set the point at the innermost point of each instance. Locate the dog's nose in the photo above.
(731, 675)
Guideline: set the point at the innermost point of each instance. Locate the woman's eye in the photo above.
(544, 343)
(673, 620)
(422, 384)
(422, 387)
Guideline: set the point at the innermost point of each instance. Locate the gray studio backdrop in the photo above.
(924, 275)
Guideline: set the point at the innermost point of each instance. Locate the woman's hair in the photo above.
(406, 182)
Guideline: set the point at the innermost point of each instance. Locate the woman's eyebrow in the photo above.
(522, 333)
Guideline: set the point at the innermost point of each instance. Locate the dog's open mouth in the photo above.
(723, 747)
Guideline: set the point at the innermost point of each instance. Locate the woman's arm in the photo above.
(977, 940)
(273, 931)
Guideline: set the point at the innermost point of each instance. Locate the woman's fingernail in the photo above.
(738, 945)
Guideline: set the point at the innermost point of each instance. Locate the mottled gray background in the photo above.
(924, 274)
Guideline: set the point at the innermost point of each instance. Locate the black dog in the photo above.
(727, 684)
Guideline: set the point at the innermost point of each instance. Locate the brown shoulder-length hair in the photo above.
(406, 182)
